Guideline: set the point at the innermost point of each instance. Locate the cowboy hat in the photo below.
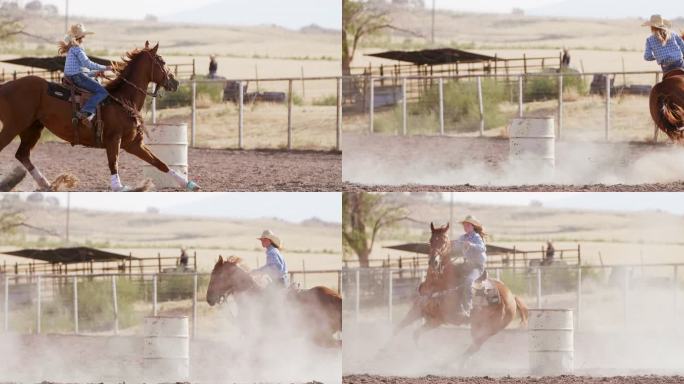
(657, 21)
(268, 234)
(78, 31)
(472, 220)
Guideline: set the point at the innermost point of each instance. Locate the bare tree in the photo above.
(364, 215)
(359, 20)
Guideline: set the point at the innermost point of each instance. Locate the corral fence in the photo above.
(113, 303)
(602, 296)
(593, 105)
(281, 113)
(516, 258)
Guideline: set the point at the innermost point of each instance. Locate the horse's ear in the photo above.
(154, 50)
(447, 226)
(220, 260)
(147, 44)
(432, 226)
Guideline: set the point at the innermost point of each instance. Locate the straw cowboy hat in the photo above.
(77, 31)
(657, 21)
(472, 220)
(268, 234)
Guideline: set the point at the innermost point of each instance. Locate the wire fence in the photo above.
(603, 297)
(589, 106)
(280, 113)
(114, 303)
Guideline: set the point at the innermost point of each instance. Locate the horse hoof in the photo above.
(192, 186)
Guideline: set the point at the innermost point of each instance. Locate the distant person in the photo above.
(565, 59)
(550, 253)
(664, 46)
(213, 67)
(80, 70)
(276, 267)
(184, 258)
(474, 250)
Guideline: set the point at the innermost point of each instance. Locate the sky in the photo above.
(293, 207)
(625, 202)
(292, 14)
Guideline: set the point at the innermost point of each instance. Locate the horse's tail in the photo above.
(522, 309)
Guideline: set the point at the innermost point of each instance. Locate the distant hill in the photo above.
(613, 8)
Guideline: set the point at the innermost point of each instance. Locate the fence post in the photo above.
(154, 295)
(75, 283)
(520, 96)
(6, 303)
(371, 103)
(578, 310)
(480, 101)
(404, 115)
(539, 288)
(193, 114)
(289, 115)
(304, 273)
(607, 127)
(390, 294)
(241, 112)
(441, 106)
(154, 105)
(115, 306)
(194, 304)
(675, 296)
(357, 300)
(560, 105)
(625, 293)
(38, 305)
(338, 126)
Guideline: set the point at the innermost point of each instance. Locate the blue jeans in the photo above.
(99, 92)
(676, 65)
(470, 273)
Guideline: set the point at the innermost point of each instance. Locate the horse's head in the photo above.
(159, 72)
(227, 278)
(439, 244)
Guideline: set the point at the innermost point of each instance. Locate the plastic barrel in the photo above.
(551, 341)
(533, 141)
(169, 142)
(166, 350)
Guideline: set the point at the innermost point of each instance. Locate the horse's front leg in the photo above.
(413, 314)
(112, 146)
(142, 151)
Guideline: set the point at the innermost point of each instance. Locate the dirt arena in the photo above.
(433, 163)
(372, 379)
(212, 169)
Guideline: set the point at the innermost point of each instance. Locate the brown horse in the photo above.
(321, 306)
(666, 103)
(26, 108)
(441, 295)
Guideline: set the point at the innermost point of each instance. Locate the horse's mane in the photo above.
(124, 68)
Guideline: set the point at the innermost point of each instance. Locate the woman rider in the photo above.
(474, 250)
(80, 69)
(275, 267)
(663, 46)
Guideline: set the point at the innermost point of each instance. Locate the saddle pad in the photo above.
(59, 91)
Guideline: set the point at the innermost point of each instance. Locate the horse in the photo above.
(26, 108)
(321, 306)
(666, 103)
(441, 294)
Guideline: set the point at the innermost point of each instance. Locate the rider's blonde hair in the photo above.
(66, 44)
(661, 33)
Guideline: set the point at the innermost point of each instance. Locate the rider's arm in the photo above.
(87, 63)
(478, 243)
(679, 41)
(648, 52)
(272, 263)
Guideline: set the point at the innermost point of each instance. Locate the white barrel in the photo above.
(166, 349)
(169, 142)
(551, 341)
(533, 141)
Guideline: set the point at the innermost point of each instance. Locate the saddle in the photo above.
(673, 73)
(485, 292)
(77, 97)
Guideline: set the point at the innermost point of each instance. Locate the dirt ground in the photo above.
(212, 169)
(444, 163)
(372, 379)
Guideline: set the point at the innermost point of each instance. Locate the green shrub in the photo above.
(329, 100)
(539, 88)
(183, 96)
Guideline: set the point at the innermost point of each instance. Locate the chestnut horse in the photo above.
(442, 293)
(321, 306)
(26, 108)
(666, 103)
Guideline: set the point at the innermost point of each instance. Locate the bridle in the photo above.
(440, 252)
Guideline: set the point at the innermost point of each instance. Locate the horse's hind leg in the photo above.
(29, 138)
(141, 150)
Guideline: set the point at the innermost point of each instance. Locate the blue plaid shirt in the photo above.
(667, 54)
(275, 265)
(475, 252)
(77, 59)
